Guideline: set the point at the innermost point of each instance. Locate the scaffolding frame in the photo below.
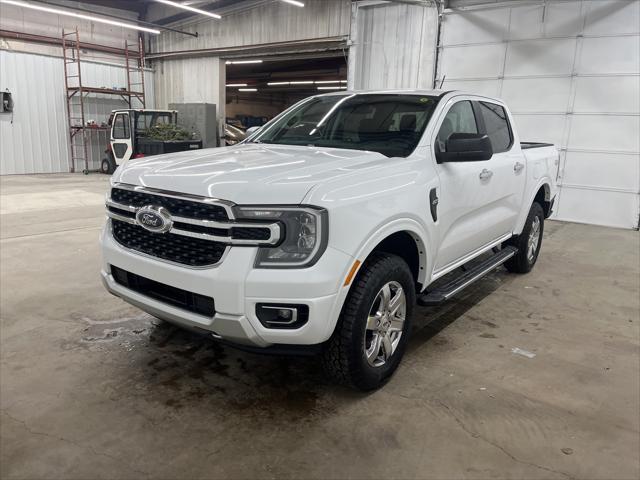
(81, 135)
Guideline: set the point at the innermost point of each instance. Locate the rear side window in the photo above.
(121, 126)
(459, 119)
(496, 126)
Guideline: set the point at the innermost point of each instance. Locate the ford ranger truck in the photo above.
(322, 230)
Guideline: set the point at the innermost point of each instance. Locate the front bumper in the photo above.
(236, 287)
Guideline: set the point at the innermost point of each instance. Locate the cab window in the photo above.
(496, 125)
(459, 119)
(121, 126)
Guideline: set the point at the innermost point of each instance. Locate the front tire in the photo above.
(108, 165)
(528, 242)
(373, 328)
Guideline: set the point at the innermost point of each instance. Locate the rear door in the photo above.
(507, 168)
(121, 139)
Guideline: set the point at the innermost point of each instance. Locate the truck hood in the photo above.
(249, 173)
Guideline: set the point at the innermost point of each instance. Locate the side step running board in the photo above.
(440, 294)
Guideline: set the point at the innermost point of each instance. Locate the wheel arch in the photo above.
(405, 238)
(542, 193)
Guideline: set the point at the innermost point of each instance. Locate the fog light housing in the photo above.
(283, 316)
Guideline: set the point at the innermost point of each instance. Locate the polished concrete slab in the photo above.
(93, 388)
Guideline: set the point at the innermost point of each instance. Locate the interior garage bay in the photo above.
(518, 376)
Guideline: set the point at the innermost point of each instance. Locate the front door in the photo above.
(121, 141)
(466, 208)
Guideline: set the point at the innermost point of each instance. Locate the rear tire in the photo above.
(373, 329)
(528, 242)
(108, 165)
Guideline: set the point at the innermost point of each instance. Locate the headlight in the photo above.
(305, 235)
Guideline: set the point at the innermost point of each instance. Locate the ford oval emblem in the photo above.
(155, 219)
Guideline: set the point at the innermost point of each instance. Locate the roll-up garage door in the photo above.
(570, 72)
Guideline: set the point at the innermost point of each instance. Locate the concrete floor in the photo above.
(93, 388)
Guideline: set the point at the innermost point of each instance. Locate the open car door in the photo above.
(121, 137)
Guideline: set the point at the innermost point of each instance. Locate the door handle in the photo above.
(485, 174)
(518, 167)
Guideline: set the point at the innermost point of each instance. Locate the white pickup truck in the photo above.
(321, 231)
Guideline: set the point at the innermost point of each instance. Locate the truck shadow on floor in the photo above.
(184, 370)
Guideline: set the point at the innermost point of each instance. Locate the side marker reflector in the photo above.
(352, 272)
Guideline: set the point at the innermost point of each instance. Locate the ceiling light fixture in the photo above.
(240, 62)
(191, 9)
(79, 15)
(332, 88)
(328, 81)
(302, 82)
(277, 83)
(247, 89)
(236, 84)
(294, 2)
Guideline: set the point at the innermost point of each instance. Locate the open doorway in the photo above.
(259, 89)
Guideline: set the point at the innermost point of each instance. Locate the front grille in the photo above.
(194, 252)
(193, 302)
(177, 206)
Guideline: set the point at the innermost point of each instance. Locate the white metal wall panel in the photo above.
(35, 138)
(542, 57)
(570, 71)
(483, 60)
(190, 80)
(544, 95)
(392, 46)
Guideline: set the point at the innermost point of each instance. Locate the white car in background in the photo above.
(321, 231)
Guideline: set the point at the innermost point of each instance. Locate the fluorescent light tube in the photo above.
(332, 88)
(247, 89)
(68, 13)
(191, 9)
(328, 81)
(294, 2)
(302, 82)
(238, 62)
(236, 85)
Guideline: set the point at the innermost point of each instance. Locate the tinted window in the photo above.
(496, 126)
(121, 126)
(459, 119)
(391, 124)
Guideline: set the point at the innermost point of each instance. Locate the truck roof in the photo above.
(435, 93)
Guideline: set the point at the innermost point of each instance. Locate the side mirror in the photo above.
(466, 147)
(252, 130)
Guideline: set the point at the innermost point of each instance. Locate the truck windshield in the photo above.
(390, 124)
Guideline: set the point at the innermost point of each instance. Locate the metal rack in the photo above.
(81, 135)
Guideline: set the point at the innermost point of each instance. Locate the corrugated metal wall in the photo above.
(20, 19)
(34, 139)
(267, 23)
(570, 70)
(393, 46)
(190, 80)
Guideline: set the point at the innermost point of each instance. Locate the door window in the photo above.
(459, 119)
(497, 126)
(121, 126)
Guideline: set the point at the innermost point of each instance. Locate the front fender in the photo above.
(414, 228)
